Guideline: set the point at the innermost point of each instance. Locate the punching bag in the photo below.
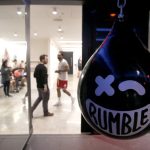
(114, 87)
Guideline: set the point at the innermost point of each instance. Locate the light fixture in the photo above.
(35, 34)
(112, 14)
(61, 37)
(19, 12)
(59, 29)
(15, 34)
(54, 12)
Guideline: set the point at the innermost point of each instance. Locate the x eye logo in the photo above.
(104, 85)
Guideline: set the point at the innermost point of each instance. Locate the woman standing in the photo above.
(6, 74)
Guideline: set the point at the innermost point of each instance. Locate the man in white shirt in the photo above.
(62, 80)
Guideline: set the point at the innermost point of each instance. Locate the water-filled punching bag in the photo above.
(114, 87)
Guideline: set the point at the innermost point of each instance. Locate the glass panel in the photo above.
(13, 85)
(47, 30)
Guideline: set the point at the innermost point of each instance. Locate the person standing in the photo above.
(6, 75)
(62, 80)
(41, 76)
(79, 67)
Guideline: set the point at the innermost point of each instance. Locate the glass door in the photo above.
(14, 105)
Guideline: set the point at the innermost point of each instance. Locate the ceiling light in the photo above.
(112, 14)
(19, 12)
(35, 34)
(15, 34)
(54, 12)
(59, 29)
(61, 37)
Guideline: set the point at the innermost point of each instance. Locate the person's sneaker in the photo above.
(9, 95)
(58, 104)
(48, 114)
(72, 100)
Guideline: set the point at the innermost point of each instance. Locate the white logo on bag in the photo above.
(104, 85)
(118, 123)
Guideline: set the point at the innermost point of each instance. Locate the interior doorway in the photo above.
(69, 57)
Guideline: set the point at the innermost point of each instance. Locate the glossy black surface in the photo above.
(123, 57)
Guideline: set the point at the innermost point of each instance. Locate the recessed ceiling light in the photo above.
(59, 29)
(54, 12)
(61, 37)
(35, 34)
(15, 34)
(19, 12)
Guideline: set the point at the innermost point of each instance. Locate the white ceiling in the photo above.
(44, 23)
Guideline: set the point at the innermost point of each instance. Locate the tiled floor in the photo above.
(66, 119)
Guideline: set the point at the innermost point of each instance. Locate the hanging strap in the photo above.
(121, 4)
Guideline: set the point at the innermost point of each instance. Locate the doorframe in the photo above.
(27, 4)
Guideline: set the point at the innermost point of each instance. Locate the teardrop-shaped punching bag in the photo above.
(114, 87)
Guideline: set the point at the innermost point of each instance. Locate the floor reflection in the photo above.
(14, 117)
(66, 119)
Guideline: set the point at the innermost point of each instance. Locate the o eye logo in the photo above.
(104, 85)
(134, 85)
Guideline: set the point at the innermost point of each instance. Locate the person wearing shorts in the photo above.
(62, 80)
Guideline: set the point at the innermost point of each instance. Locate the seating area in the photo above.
(16, 85)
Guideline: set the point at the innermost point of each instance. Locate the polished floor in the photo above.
(14, 114)
(62, 131)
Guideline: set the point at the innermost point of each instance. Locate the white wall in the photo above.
(53, 63)
(38, 47)
(13, 50)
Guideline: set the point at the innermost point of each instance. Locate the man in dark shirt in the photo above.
(41, 76)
